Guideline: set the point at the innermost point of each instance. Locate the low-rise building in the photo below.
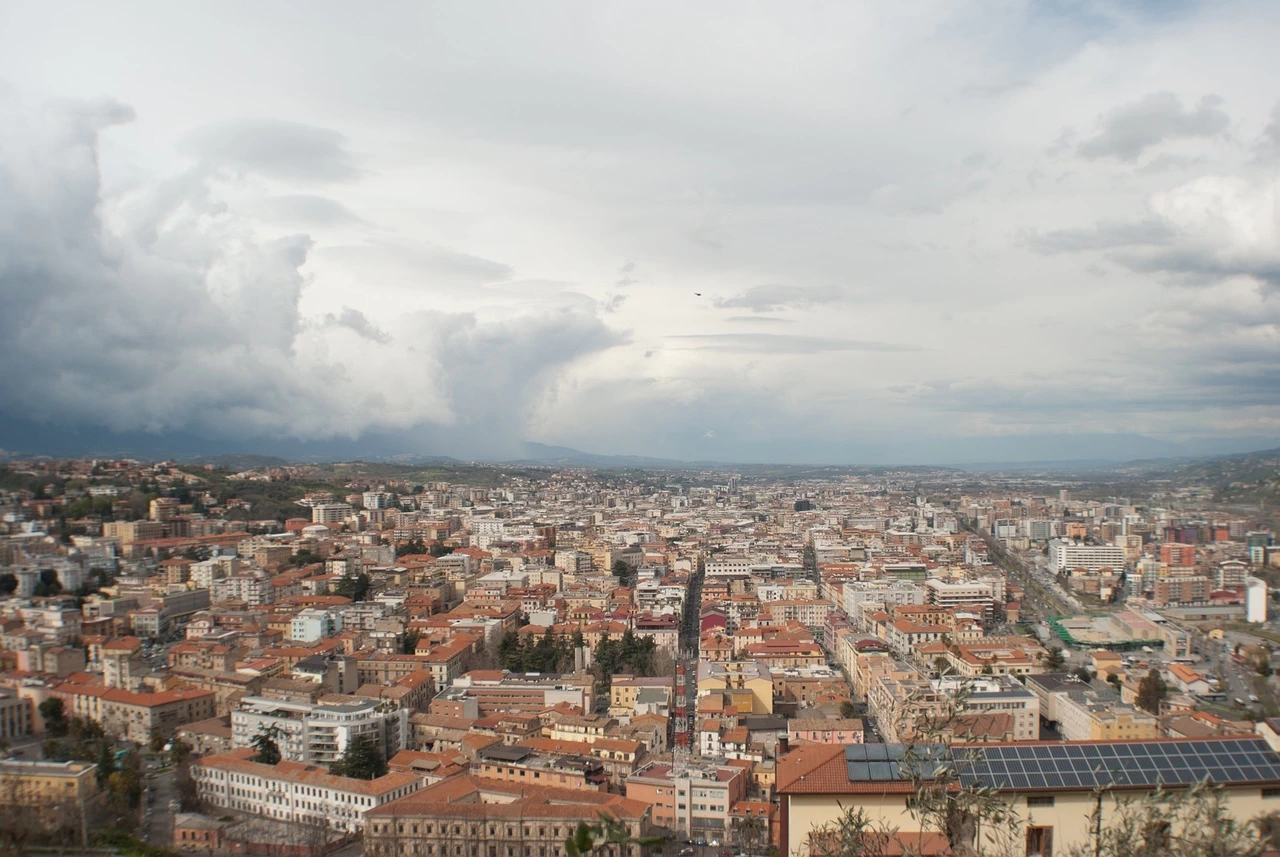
(294, 792)
(690, 799)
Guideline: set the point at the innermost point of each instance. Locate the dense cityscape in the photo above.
(610, 429)
(373, 658)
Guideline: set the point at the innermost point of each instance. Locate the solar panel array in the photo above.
(1136, 763)
(888, 762)
(1060, 766)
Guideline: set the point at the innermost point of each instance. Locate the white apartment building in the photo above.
(874, 592)
(1065, 555)
(975, 594)
(330, 513)
(723, 564)
(296, 793)
(253, 588)
(372, 500)
(311, 625)
(1040, 530)
(318, 734)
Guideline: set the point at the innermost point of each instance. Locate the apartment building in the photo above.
(15, 715)
(294, 792)
(978, 595)
(134, 716)
(690, 799)
(470, 815)
(318, 733)
(520, 764)
(53, 794)
(1066, 555)
(625, 692)
(750, 676)
(483, 692)
(825, 731)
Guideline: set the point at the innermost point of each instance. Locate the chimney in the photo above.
(784, 745)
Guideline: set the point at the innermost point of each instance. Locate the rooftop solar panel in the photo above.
(1041, 766)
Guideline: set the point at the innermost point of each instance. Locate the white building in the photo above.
(296, 793)
(976, 594)
(1255, 600)
(373, 500)
(330, 513)
(1064, 555)
(318, 734)
(311, 625)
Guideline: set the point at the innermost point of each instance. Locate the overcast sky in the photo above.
(830, 232)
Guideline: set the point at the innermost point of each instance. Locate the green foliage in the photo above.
(411, 547)
(48, 584)
(410, 644)
(847, 710)
(1151, 692)
(362, 760)
(305, 557)
(1054, 659)
(1193, 823)
(608, 834)
(851, 834)
(628, 654)
(55, 716)
(438, 550)
(353, 586)
(524, 654)
(179, 752)
(267, 751)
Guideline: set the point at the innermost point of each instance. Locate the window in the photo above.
(1271, 793)
(1040, 800)
(1039, 842)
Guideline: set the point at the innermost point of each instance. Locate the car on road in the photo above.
(686, 851)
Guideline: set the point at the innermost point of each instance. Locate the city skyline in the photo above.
(929, 235)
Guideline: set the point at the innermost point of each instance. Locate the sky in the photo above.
(918, 232)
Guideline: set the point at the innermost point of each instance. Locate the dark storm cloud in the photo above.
(1129, 130)
(276, 148)
(772, 298)
(778, 343)
(167, 316)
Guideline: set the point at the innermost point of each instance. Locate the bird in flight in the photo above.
(699, 294)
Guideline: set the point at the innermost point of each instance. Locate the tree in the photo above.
(179, 752)
(1114, 679)
(361, 760)
(607, 833)
(185, 787)
(851, 834)
(1054, 659)
(412, 547)
(750, 830)
(8, 584)
(1193, 823)
(622, 571)
(55, 718)
(353, 586)
(438, 550)
(847, 710)
(267, 751)
(411, 638)
(1151, 692)
(1083, 674)
(941, 665)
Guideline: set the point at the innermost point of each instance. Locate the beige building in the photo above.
(1049, 786)
(133, 716)
(465, 816)
(50, 794)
